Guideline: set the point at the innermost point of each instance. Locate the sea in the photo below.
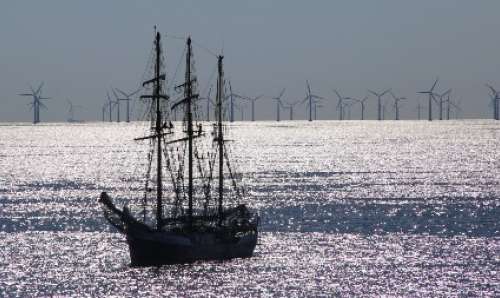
(347, 208)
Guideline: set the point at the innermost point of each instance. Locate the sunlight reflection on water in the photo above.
(351, 208)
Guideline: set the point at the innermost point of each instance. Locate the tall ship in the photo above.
(192, 205)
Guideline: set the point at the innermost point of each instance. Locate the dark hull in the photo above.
(163, 248)
(235, 238)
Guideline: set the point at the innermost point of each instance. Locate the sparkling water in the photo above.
(398, 208)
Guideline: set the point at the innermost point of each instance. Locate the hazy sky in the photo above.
(82, 48)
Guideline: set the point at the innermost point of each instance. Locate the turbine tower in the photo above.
(103, 109)
(361, 103)
(431, 97)
(310, 97)
(456, 105)
(379, 105)
(316, 106)
(278, 104)
(241, 107)
(419, 109)
(441, 96)
(252, 101)
(110, 105)
(209, 101)
(495, 100)
(449, 104)
(127, 99)
(117, 103)
(347, 106)
(396, 103)
(71, 110)
(231, 103)
(340, 104)
(291, 106)
(37, 103)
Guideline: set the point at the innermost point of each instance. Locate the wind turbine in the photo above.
(379, 96)
(117, 103)
(495, 98)
(456, 105)
(241, 107)
(340, 104)
(396, 103)
(209, 101)
(110, 105)
(36, 104)
(347, 109)
(252, 101)
(278, 104)
(449, 104)
(231, 103)
(127, 99)
(291, 106)
(103, 109)
(71, 111)
(316, 106)
(431, 97)
(419, 109)
(361, 103)
(310, 97)
(441, 96)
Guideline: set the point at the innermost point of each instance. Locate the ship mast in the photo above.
(158, 128)
(220, 140)
(188, 94)
(187, 101)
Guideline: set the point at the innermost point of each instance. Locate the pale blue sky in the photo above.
(80, 48)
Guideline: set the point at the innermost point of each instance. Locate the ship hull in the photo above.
(164, 248)
(235, 237)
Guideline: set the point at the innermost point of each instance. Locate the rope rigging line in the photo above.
(172, 81)
(205, 48)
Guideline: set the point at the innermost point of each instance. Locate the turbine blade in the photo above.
(432, 96)
(338, 94)
(137, 91)
(39, 88)
(492, 89)
(386, 91)
(434, 85)
(114, 93)
(120, 91)
(281, 93)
